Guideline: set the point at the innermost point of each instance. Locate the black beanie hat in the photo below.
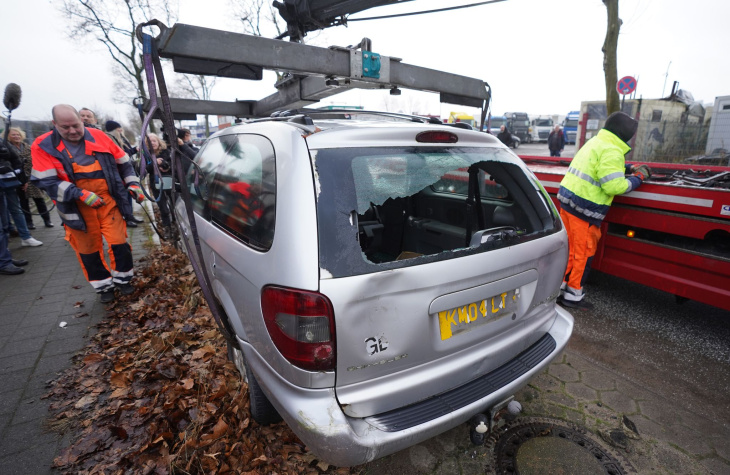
(621, 125)
(111, 126)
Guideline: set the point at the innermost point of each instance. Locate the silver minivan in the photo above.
(385, 280)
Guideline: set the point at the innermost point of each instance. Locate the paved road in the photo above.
(541, 149)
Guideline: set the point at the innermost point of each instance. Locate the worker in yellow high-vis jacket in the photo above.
(597, 174)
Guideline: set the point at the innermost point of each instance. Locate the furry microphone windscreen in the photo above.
(12, 96)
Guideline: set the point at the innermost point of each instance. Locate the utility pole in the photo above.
(666, 75)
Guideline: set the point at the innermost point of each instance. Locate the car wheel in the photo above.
(515, 144)
(262, 411)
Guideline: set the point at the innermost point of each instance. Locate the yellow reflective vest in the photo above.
(595, 176)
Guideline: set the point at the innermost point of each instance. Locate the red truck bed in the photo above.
(681, 240)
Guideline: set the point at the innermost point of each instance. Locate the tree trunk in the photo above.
(610, 46)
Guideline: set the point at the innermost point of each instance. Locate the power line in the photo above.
(425, 11)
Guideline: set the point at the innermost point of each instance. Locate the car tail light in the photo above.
(437, 136)
(301, 325)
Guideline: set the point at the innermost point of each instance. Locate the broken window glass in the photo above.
(391, 207)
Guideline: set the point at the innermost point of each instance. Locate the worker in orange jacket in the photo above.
(88, 176)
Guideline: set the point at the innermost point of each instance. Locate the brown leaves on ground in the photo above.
(154, 391)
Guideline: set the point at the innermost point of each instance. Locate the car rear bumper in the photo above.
(317, 418)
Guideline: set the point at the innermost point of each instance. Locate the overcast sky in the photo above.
(539, 56)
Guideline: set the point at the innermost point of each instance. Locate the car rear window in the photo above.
(390, 207)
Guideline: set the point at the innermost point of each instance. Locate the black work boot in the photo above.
(125, 289)
(107, 295)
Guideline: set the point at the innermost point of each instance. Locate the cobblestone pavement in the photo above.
(46, 315)
(667, 438)
(34, 347)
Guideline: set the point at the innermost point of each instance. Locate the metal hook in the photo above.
(163, 28)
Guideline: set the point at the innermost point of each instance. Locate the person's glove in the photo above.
(642, 171)
(91, 199)
(136, 193)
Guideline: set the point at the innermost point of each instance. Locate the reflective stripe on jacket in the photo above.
(53, 172)
(595, 176)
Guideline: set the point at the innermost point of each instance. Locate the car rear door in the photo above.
(414, 319)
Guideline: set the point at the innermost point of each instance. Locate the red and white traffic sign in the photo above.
(626, 85)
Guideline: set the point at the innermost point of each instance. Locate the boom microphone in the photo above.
(12, 96)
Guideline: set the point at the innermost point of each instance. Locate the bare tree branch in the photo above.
(257, 17)
(113, 23)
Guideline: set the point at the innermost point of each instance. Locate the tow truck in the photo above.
(672, 234)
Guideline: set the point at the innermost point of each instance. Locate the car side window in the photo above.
(201, 175)
(243, 199)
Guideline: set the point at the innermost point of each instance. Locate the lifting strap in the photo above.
(154, 67)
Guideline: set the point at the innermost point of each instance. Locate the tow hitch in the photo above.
(484, 423)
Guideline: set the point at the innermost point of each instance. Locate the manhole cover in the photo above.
(531, 446)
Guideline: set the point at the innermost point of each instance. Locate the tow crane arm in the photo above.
(311, 73)
(303, 16)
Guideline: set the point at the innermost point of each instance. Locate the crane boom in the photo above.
(303, 16)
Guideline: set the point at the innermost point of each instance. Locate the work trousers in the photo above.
(582, 244)
(107, 223)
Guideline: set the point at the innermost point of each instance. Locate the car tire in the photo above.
(515, 144)
(262, 411)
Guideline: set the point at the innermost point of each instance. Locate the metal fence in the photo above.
(669, 141)
(669, 131)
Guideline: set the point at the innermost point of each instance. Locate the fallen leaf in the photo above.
(79, 304)
(85, 401)
(93, 358)
(119, 380)
(220, 428)
(203, 352)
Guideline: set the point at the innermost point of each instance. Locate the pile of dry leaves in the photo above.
(155, 393)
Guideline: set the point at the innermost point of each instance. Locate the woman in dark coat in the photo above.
(16, 138)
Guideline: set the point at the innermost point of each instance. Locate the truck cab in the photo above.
(519, 124)
(541, 127)
(570, 126)
(462, 117)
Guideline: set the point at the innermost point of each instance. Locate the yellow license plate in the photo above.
(462, 319)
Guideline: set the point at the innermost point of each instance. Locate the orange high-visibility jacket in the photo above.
(53, 172)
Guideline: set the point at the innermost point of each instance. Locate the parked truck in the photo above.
(570, 126)
(541, 126)
(462, 117)
(519, 124)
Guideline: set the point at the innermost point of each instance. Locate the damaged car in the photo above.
(386, 280)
